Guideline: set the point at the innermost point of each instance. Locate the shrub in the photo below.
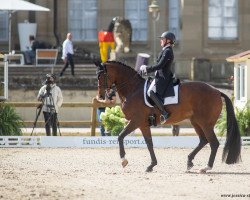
(10, 121)
(221, 124)
(113, 120)
(242, 117)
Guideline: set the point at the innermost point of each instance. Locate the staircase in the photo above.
(31, 77)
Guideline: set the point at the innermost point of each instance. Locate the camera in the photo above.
(48, 81)
(48, 88)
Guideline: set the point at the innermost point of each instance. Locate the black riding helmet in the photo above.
(168, 35)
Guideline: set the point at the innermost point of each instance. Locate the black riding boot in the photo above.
(164, 115)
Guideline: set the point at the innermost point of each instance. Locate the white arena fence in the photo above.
(109, 141)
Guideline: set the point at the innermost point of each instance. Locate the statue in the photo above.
(122, 31)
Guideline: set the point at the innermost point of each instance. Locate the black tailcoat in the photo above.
(164, 75)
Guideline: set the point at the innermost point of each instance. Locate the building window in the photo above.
(136, 11)
(240, 83)
(82, 19)
(3, 26)
(174, 17)
(223, 19)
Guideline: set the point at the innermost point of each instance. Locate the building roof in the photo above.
(243, 56)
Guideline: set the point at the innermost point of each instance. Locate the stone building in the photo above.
(208, 31)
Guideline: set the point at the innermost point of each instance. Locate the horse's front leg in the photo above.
(128, 129)
(146, 132)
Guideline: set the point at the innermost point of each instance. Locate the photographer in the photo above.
(51, 97)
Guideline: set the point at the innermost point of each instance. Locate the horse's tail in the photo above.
(232, 149)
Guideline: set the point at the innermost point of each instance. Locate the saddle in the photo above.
(167, 100)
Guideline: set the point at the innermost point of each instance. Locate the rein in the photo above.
(118, 86)
(124, 84)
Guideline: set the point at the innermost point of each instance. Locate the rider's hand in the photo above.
(143, 69)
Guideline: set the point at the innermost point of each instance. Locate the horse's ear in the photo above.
(100, 66)
(97, 63)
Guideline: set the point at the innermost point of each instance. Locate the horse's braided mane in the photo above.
(119, 62)
(123, 64)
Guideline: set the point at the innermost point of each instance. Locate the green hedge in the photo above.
(242, 117)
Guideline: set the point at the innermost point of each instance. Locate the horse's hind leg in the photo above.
(146, 132)
(128, 129)
(191, 156)
(202, 143)
(214, 145)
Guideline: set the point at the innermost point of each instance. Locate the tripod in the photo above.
(50, 114)
(39, 108)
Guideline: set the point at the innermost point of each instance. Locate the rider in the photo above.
(162, 85)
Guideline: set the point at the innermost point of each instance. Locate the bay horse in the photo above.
(198, 102)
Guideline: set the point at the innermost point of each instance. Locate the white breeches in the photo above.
(152, 87)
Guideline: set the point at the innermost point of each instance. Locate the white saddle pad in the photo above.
(168, 100)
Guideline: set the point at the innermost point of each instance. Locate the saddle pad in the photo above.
(167, 101)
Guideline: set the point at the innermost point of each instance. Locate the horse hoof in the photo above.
(149, 169)
(124, 162)
(189, 165)
(204, 170)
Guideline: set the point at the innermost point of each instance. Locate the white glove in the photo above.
(143, 69)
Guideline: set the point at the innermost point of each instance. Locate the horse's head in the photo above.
(114, 73)
(104, 82)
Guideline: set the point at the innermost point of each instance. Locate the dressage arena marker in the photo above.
(110, 141)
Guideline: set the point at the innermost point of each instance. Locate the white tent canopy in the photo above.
(13, 5)
(18, 5)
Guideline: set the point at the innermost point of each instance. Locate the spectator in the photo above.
(110, 98)
(30, 54)
(67, 54)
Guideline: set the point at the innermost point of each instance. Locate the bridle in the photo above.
(107, 78)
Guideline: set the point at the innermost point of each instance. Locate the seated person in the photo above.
(30, 54)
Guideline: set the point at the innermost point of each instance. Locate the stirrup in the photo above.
(163, 118)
